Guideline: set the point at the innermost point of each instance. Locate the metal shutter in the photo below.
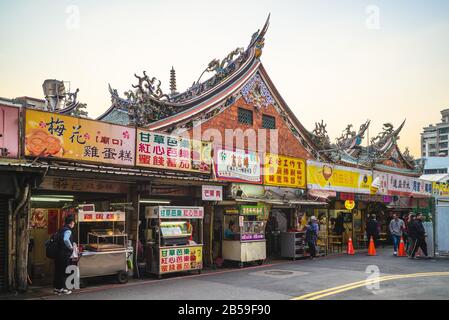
(3, 242)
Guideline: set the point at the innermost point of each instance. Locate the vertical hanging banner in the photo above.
(54, 135)
(163, 151)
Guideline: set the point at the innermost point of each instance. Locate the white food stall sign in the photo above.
(212, 193)
(101, 216)
(181, 212)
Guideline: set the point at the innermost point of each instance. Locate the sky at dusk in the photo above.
(338, 60)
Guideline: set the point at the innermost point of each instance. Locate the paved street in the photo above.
(336, 277)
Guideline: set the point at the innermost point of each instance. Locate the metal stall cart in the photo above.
(174, 239)
(104, 245)
(293, 245)
(244, 234)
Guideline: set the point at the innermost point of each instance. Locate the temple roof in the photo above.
(235, 76)
(147, 106)
(383, 152)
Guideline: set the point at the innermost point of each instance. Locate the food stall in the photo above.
(174, 239)
(103, 244)
(244, 234)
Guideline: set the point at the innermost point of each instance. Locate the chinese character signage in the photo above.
(237, 166)
(212, 193)
(422, 187)
(403, 185)
(101, 216)
(284, 171)
(181, 212)
(440, 189)
(323, 176)
(253, 210)
(9, 132)
(54, 135)
(252, 236)
(180, 259)
(158, 150)
(83, 185)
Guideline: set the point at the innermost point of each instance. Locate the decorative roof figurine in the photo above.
(320, 137)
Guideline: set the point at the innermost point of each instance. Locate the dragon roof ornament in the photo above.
(351, 139)
(320, 137)
(225, 68)
(146, 104)
(387, 138)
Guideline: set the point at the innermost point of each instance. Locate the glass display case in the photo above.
(175, 232)
(244, 234)
(253, 230)
(104, 244)
(106, 240)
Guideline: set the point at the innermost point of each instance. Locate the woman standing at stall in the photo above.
(312, 230)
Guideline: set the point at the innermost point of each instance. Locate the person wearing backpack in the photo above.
(62, 259)
(312, 230)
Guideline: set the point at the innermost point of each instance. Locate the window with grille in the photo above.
(245, 116)
(268, 122)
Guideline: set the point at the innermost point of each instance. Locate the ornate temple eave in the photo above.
(227, 71)
(388, 140)
(350, 140)
(219, 95)
(404, 159)
(388, 169)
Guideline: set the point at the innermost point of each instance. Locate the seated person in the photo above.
(231, 230)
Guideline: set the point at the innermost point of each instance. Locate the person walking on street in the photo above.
(396, 229)
(411, 233)
(62, 260)
(405, 218)
(420, 241)
(312, 230)
(372, 229)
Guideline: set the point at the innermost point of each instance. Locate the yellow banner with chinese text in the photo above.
(284, 171)
(325, 176)
(54, 135)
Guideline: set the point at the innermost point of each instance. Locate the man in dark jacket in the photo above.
(339, 225)
(420, 234)
(411, 232)
(372, 229)
(62, 260)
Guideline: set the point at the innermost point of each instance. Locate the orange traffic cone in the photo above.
(350, 247)
(401, 252)
(372, 247)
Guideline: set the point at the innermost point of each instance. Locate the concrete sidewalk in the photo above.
(36, 292)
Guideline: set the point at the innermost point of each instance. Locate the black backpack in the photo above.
(52, 246)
